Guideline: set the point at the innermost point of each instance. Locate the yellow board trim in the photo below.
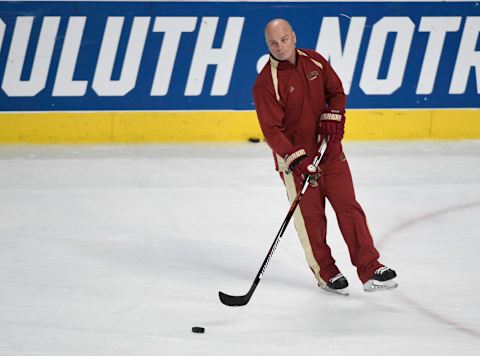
(413, 124)
(222, 126)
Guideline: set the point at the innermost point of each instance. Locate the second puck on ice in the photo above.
(254, 139)
(198, 329)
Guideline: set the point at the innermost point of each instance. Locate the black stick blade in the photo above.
(234, 301)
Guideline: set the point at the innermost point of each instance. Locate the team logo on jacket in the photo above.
(312, 75)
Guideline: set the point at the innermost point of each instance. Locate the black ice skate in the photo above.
(337, 284)
(382, 279)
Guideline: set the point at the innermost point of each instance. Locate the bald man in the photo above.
(300, 99)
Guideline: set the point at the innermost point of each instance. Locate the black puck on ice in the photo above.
(253, 139)
(198, 330)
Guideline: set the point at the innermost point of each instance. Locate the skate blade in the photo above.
(373, 285)
(343, 291)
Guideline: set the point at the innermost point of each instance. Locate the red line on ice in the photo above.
(421, 308)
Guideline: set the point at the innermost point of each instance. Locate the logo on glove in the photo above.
(311, 169)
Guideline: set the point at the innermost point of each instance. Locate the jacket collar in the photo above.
(283, 64)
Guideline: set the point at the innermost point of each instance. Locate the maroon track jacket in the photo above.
(290, 98)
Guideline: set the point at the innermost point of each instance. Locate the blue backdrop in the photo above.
(305, 17)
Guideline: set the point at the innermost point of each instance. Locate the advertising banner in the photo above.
(149, 56)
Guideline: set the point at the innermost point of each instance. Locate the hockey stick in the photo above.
(240, 300)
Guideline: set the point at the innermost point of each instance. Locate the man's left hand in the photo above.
(332, 123)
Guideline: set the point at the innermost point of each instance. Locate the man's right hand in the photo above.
(301, 165)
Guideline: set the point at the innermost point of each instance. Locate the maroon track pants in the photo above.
(335, 184)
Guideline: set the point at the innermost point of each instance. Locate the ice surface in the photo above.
(121, 249)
